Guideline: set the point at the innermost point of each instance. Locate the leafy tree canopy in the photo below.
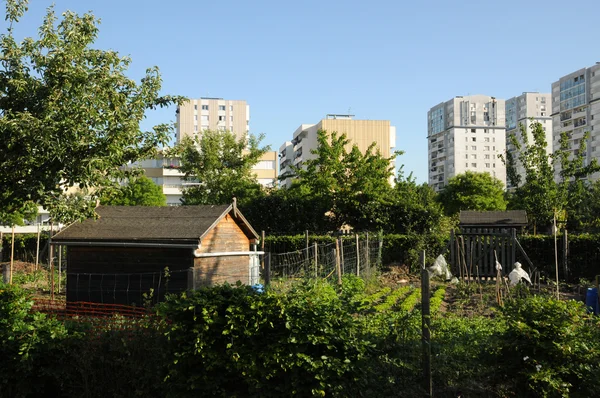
(472, 191)
(221, 166)
(552, 182)
(353, 186)
(140, 191)
(69, 116)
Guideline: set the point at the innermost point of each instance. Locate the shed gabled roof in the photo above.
(152, 224)
(510, 218)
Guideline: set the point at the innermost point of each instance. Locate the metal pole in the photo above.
(37, 248)
(556, 255)
(425, 327)
(357, 257)
(316, 263)
(12, 256)
(337, 261)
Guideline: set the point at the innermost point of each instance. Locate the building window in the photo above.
(221, 118)
(231, 118)
(221, 107)
(466, 156)
(474, 147)
(205, 118)
(473, 130)
(486, 139)
(204, 107)
(473, 164)
(473, 139)
(486, 148)
(196, 127)
(195, 118)
(231, 108)
(487, 165)
(487, 156)
(493, 164)
(195, 107)
(473, 156)
(467, 165)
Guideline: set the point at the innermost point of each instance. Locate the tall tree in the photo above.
(220, 165)
(551, 179)
(472, 191)
(68, 113)
(139, 191)
(354, 186)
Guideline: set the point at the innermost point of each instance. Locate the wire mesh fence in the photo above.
(358, 257)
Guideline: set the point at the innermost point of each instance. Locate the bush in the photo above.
(233, 341)
(550, 348)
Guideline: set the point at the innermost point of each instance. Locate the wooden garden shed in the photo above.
(136, 254)
(485, 237)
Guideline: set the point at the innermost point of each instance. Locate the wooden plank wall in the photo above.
(227, 236)
(480, 247)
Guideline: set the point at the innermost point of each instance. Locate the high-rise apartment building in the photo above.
(361, 133)
(465, 133)
(197, 115)
(576, 110)
(524, 110)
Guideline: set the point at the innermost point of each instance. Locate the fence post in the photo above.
(4, 269)
(316, 263)
(368, 254)
(262, 247)
(37, 248)
(267, 269)
(357, 257)
(12, 256)
(425, 327)
(380, 251)
(566, 255)
(51, 263)
(341, 254)
(337, 261)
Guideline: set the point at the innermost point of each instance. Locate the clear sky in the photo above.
(295, 62)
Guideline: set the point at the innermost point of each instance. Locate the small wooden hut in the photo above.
(485, 237)
(136, 254)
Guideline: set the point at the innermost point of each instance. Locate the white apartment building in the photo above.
(466, 133)
(576, 110)
(526, 109)
(359, 132)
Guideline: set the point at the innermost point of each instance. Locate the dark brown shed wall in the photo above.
(122, 275)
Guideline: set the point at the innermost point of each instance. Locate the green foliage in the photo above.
(540, 194)
(70, 116)
(352, 186)
(221, 165)
(472, 191)
(139, 191)
(18, 216)
(219, 337)
(551, 347)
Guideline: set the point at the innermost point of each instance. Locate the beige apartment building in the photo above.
(465, 133)
(576, 110)
(525, 109)
(359, 132)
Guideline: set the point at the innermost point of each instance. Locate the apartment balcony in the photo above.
(172, 171)
(172, 189)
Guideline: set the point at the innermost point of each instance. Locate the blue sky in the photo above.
(295, 62)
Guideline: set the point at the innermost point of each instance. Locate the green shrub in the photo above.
(550, 347)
